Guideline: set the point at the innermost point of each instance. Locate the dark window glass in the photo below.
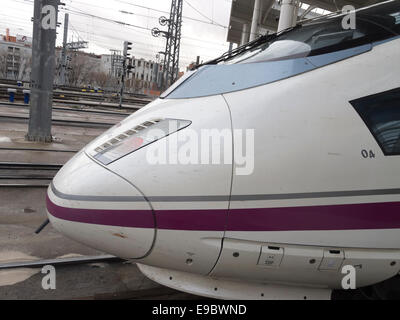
(314, 39)
(327, 35)
(381, 113)
(387, 16)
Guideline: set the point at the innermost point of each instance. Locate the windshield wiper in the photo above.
(246, 47)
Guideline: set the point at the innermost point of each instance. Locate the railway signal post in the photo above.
(125, 67)
(43, 69)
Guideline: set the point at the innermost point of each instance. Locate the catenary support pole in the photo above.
(245, 34)
(64, 51)
(286, 19)
(121, 92)
(43, 69)
(255, 20)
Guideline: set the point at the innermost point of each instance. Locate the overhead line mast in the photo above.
(43, 69)
(172, 49)
(65, 59)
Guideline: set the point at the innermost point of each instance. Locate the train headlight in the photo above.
(136, 138)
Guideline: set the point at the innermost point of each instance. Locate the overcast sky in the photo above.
(206, 39)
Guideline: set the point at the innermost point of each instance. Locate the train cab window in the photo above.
(381, 113)
(387, 16)
(326, 35)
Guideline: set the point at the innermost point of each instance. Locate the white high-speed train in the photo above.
(318, 109)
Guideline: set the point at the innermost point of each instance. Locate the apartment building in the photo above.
(15, 57)
(82, 68)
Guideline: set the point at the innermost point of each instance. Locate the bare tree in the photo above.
(82, 70)
(25, 68)
(76, 67)
(100, 78)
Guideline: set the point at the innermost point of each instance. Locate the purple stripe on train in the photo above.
(384, 215)
(120, 218)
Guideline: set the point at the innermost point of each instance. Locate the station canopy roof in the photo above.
(242, 13)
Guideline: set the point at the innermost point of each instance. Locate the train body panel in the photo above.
(171, 186)
(209, 113)
(304, 163)
(304, 266)
(317, 190)
(100, 217)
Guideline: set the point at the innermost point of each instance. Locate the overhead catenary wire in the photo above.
(145, 45)
(146, 29)
(129, 24)
(78, 11)
(211, 21)
(137, 43)
(142, 46)
(203, 15)
(147, 16)
(166, 12)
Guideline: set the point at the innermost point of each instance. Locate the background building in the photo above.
(145, 77)
(83, 69)
(15, 57)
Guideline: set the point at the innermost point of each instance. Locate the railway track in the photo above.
(24, 185)
(82, 98)
(14, 171)
(36, 150)
(113, 113)
(96, 104)
(70, 88)
(79, 89)
(77, 96)
(28, 175)
(73, 110)
(61, 122)
(59, 262)
(29, 166)
(98, 97)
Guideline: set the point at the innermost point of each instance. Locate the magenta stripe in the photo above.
(205, 220)
(120, 218)
(384, 215)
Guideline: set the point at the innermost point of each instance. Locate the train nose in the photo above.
(96, 207)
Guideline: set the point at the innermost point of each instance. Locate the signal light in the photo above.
(127, 47)
(129, 68)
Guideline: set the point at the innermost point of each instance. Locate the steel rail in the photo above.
(60, 262)
(22, 185)
(21, 105)
(77, 97)
(32, 177)
(37, 150)
(29, 166)
(89, 103)
(71, 123)
(31, 171)
(92, 111)
(77, 94)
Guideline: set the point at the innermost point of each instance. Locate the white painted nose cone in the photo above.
(96, 207)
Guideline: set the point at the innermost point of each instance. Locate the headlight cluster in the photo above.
(136, 138)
